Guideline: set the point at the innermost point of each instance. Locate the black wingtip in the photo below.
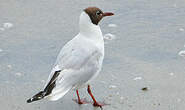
(36, 97)
(29, 100)
(47, 90)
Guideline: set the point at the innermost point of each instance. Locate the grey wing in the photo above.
(65, 52)
(75, 53)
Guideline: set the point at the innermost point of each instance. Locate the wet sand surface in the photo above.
(142, 69)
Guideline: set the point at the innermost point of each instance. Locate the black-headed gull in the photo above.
(79, 61)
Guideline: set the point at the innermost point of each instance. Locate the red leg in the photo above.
(80, 101)
(96, 104)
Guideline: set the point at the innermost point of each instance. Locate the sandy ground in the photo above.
(148, 35)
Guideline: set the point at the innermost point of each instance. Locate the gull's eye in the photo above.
(98, 13)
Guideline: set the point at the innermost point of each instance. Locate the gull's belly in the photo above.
(89, 71)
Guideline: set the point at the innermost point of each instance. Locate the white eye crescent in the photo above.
(98, 13)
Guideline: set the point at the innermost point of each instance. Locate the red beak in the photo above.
(107, 14)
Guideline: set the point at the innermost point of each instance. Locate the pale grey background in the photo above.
(148, 39)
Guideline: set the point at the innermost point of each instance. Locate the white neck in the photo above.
(88, 29)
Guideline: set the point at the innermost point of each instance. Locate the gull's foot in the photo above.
(99, 104)
(81, 101)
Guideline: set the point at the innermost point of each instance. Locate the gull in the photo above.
(79, 61)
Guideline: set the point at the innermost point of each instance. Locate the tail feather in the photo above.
(36, 97)
(59, 93)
